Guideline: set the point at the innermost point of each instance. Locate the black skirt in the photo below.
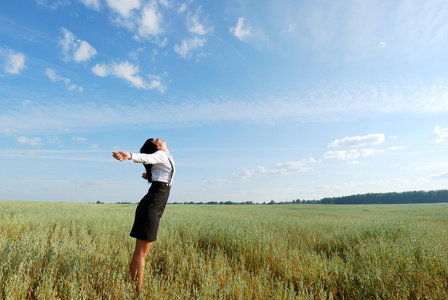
(149, 211)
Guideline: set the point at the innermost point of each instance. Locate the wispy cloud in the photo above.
(182, 8)
(129, 72)
(195, 25)
(350, 154)
(124, 8)
(79, 139)
(403, 29)
(314, 106)
(144, 20)
(56, 154)
(241, 30)
(93, 4)
(440, 176)
(442, 134)
(53, 4)
(278, 169)
(150, 22)
(216, 184)
(188, 45)
(75, 49)
(68, 83)
(358, 141)
(31, 141)
(12, 62)
(355, 141)
(396, 148)
(197, 39)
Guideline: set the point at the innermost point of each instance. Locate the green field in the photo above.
(82, 251)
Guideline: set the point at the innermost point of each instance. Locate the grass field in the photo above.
(82, 251)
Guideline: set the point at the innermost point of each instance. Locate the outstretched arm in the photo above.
(122, 155)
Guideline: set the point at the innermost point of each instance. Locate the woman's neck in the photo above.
(165, 149)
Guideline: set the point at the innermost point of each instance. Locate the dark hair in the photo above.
(148, 148)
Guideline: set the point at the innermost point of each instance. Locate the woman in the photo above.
(159, 165)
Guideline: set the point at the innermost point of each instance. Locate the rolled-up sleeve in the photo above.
(162, 164)
(148, 159)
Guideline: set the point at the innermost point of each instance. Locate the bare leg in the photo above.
(137, 266)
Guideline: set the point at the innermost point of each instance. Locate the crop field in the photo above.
(82, 251)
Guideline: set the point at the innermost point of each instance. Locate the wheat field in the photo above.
(82, 251)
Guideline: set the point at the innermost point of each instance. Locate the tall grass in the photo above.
(82, 251)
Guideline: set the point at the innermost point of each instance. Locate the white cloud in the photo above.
(188, 45)
(194, 26)
(79, 139)
(241, 30)
(216, 184)
(396, 148)
(124, 8)
(29, 141)
(166, 3)
(100, 70)
(135, 54)
(357, 141)
(163, 42)
(51, 73)
(150, 21)
(352, 154)
(129, 72)
(278, 169)
(442, 134)
(143, 18)
(83, 51)
(244, 176)
(292, 166)
(382, 45)
(93, 4)
(53, 4)
(66, 43)
(13, 62)
(52, 140)
(75, 49)
(156, 83)
(7, 131)
(217, 181)
(182, 8)
(197, 29)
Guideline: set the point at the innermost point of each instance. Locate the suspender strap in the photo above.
(172, 172)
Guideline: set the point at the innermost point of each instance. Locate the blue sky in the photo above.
(258, 100)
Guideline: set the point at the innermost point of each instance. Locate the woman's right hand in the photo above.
(122, 155)
(144, 176)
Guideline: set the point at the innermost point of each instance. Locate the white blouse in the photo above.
(162, 170)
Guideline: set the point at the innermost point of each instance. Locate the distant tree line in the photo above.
(438, 196)
(391, 198)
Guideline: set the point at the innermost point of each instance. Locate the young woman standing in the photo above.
(159, 165)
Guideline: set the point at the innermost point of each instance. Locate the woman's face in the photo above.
(159, 143)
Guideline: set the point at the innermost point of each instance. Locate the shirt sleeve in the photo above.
(149, 159)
